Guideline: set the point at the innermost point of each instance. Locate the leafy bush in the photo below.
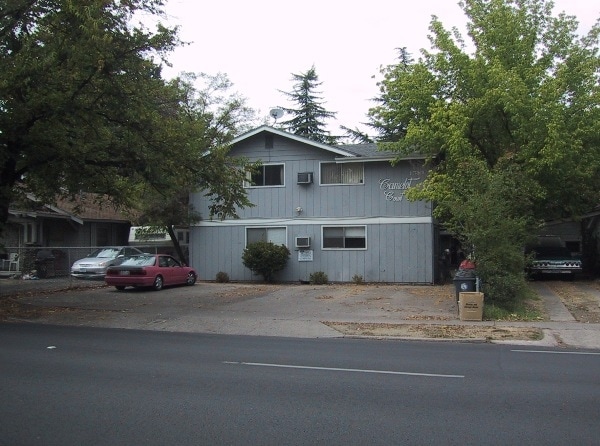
(318, 278)
(482, 213)
(357, 279)
(222, 277)
(265, 258)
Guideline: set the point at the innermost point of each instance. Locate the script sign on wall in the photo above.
(394, 191)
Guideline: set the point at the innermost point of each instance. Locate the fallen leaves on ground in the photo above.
(13, 309)
(583, 305)
(241, 291)
(437, 331)
(437, 291)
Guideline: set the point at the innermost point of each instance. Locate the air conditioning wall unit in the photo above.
(305, 177)
(302, 242)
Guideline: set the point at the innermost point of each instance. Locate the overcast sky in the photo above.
(259, 43)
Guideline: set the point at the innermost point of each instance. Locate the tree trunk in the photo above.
(7, 182)
(177, 246)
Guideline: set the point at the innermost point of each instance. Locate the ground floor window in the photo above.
(276, 235)
(344, 237)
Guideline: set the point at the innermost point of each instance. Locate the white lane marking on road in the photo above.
(557, 352)
(336, 369)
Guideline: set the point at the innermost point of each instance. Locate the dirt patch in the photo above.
(234, 292)
(435, 331)
(12, 309)
(579, 298)
(435, 291)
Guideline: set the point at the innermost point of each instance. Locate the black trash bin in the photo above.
(44, 264)
(464, 280)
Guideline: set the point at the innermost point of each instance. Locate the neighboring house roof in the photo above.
(593, 213)
(86, 208)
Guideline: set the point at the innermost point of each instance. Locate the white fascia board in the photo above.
(337, 221)
(65, 213)
(53, 208)
(371, 159)
(266, 128)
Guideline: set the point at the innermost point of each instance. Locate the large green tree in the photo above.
(512, 119)
(223, 115)
(387, 119)
(309, 116)
(84, 107)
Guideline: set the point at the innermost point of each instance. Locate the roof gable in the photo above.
(284, 134)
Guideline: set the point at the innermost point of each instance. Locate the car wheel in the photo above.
(120, 287)
(158, 283)
(191, 278)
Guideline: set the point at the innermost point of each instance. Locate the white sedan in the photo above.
(94, 265)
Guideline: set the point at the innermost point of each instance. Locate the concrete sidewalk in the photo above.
(281, 310)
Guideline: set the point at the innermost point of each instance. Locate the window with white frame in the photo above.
(344, 237)
(266, 175)
(30, 233)
(275, 235)
(342, 173)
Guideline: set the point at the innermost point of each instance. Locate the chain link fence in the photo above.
(47, 262)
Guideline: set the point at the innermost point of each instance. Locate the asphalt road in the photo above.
(75, 386)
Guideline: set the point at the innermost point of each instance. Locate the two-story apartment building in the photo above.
(339, 209)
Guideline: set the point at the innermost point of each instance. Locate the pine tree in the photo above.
(309, 117)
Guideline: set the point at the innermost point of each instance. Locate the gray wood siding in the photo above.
(362, 200)
(396, 253)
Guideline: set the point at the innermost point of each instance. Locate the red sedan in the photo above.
(149, 270)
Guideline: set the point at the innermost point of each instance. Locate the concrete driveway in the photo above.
(288, 310)
(292, 310)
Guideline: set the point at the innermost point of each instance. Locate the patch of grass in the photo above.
(526, 308)
(517, 312)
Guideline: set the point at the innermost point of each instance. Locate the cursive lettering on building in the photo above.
(394, 191)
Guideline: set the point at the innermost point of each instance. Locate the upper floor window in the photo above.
(342, 173)
(266, 175)
(344, 237)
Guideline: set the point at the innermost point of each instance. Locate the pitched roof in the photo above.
(346, 152)
(369, 150)
(86, 207)
(268, 129)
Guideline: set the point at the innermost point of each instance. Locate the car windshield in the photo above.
(105, 253)
(552, 252)
(138, 261)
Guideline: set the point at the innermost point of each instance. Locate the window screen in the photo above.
(274, 235)
(266, 175)
(344, 237)
(344, 173)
